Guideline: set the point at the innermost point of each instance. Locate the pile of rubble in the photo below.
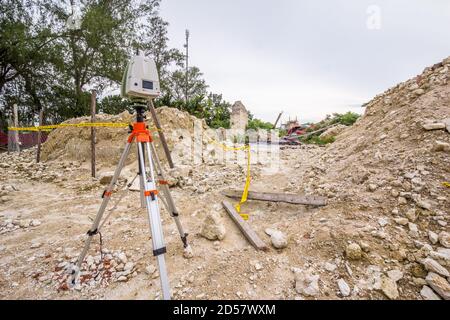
(96, 271)
(391, 169)
(180, 129)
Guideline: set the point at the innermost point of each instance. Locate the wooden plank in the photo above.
(245, 228)
(16, 124)
(93, 133)
(162, 137)
(279, 197)
(41, 123)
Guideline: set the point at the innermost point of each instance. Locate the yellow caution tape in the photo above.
(125, 125)
(71, 125)
(446, 184)
(248, 177)
(76, 125)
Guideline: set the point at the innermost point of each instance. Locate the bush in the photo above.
(347, 119)
(319, 141)
(258, 124)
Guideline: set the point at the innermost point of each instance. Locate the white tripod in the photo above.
(149, 197)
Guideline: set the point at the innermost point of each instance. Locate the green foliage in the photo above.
(318, 140)
(347, 119)
(212, 108)
(258, 124)
(114, 105)
(176, 84)
(45, 65)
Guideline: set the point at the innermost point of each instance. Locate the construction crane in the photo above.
(278, 119)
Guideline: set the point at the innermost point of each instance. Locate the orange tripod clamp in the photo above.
(140, 133)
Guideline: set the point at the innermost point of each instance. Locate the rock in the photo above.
(401, 221)
(429, 126)
(278, 238)
(383, 222)
(343, 288)
(35, 245)
(441, 254)
(395, 275)
(419, 281)
(372, 187)
(418, 270)
(423, 204)
(35, 223)
(122, 257)
(258, 266)
(389, 288)
(434, 266)
(442, 223)
(24, 223)
(364, 246)
(413, 230)
(150, 269)
(129, 266)
(90, 260)
(334, 131)
(439, 285)
(122, 279)
(330, 267)
(428, 294)
(439, 146)
(212, 228)
(306, 283)
(411, 215)
(434, 238)
(353, 251)
(444, 239)
(188, 253)
(106, 177)
(447, 124)
(418, 92)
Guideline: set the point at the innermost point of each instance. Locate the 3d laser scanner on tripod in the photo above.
(141, 84)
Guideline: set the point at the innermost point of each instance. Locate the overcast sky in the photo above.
(309, 58)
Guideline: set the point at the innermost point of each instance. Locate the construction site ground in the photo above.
(384, 233)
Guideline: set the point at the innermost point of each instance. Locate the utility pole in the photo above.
(41, 123)
(16, 124)
(186, 89)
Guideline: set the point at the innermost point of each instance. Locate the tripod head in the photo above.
(140, 105)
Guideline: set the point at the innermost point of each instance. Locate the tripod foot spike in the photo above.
(188, 253)
(74, 279)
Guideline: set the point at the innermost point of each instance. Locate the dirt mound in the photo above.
(74, 143)
(385, 177)
(389, 147)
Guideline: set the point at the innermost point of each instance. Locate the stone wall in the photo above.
(239, 116)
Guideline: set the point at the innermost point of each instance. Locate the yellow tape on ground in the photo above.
(248, 177)
(446, 184)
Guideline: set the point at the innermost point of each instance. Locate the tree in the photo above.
(25, 75)
(114, 105)
(154, 42)
(259, 124)
(43, 63)
(177, 83)
(95, 56)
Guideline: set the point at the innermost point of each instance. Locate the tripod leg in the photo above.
(106, 197)
(141, 180)
(151, 198)
(168, 196)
